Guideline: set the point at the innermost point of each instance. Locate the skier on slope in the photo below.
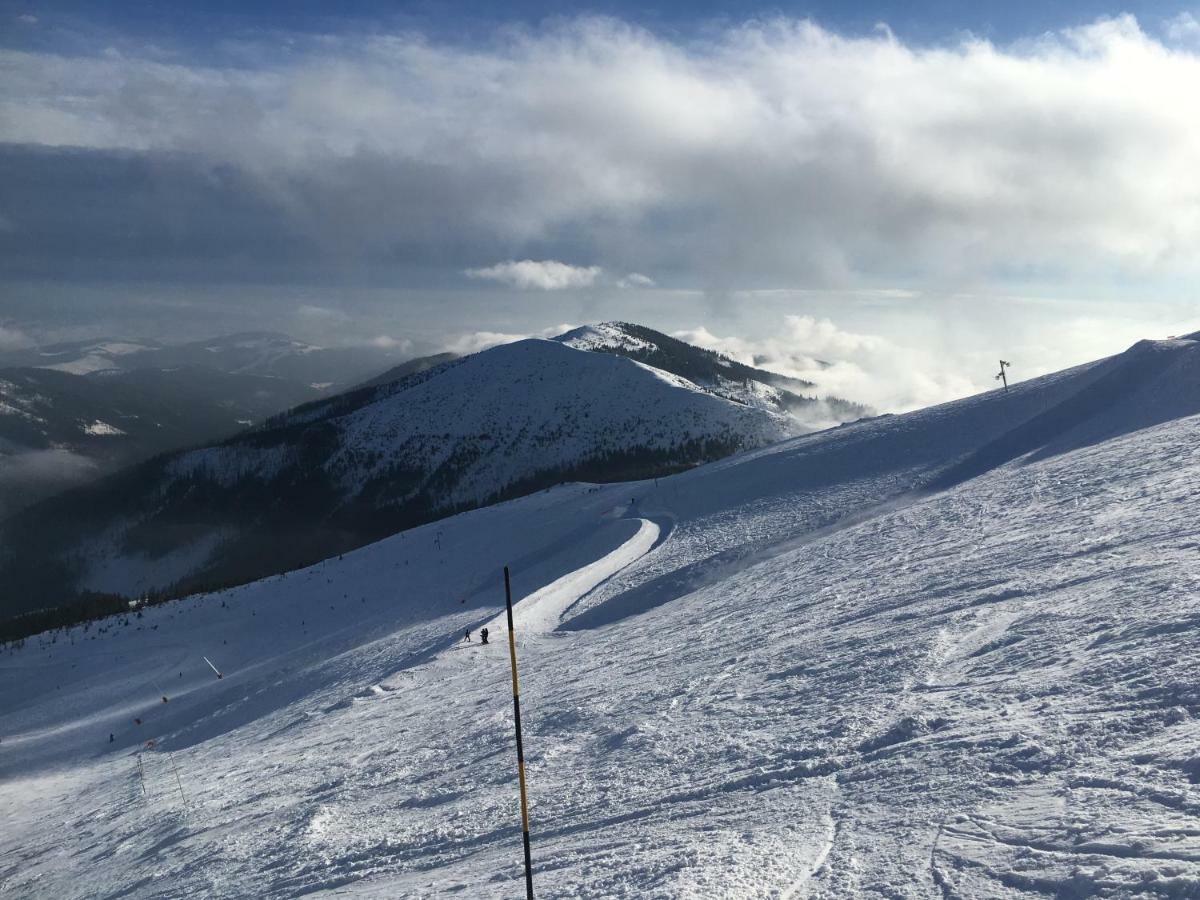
(483, 633)
(467, 635)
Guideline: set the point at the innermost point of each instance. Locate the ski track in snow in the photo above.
(731, 687)
(799, 888)
(541, 611)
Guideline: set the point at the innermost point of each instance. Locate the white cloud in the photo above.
(14, 338)
(775, 153)
(942, 355)
(636, 280)
(1184, 29)
(861, 367)
(387, 342)
(482, 340)
(26, 475)
(541, 275)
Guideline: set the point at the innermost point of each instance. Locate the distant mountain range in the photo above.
(250, 353)
(430, 438)
(70, 413)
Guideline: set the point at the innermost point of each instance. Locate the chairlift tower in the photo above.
(1003, 376)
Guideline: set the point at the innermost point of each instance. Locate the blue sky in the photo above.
(201, 25)
(984, 174)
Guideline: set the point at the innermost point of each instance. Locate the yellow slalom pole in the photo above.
(512, 653)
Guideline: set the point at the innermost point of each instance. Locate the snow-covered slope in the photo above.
(338, 473)
(785, 674)
(561, 407)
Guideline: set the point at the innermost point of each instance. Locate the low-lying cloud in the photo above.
(14, 338)
(895, 373)
(387, 342)
(475, 341)
(29, 475)
(864, 368)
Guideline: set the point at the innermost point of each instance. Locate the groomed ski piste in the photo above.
(946, 654)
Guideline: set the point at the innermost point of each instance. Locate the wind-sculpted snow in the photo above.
(865, 691)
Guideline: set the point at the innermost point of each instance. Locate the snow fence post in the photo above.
(178, 781)
(512, 653)
(142, 777)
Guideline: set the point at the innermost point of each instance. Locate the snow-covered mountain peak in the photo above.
(716, 373)
(530, 406)
(543, 386)
(609, 336)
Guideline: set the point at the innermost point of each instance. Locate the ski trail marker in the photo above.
(512, 653)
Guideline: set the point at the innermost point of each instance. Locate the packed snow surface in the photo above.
(784, 675)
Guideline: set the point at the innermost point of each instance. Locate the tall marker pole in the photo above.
(512, 653)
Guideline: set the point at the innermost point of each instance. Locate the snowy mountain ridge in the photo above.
(573, 408)
(805, 670)
(717, 373)
(605, 337)
(334, 474)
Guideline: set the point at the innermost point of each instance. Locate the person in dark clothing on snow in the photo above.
(483, 636)
(467, 635)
